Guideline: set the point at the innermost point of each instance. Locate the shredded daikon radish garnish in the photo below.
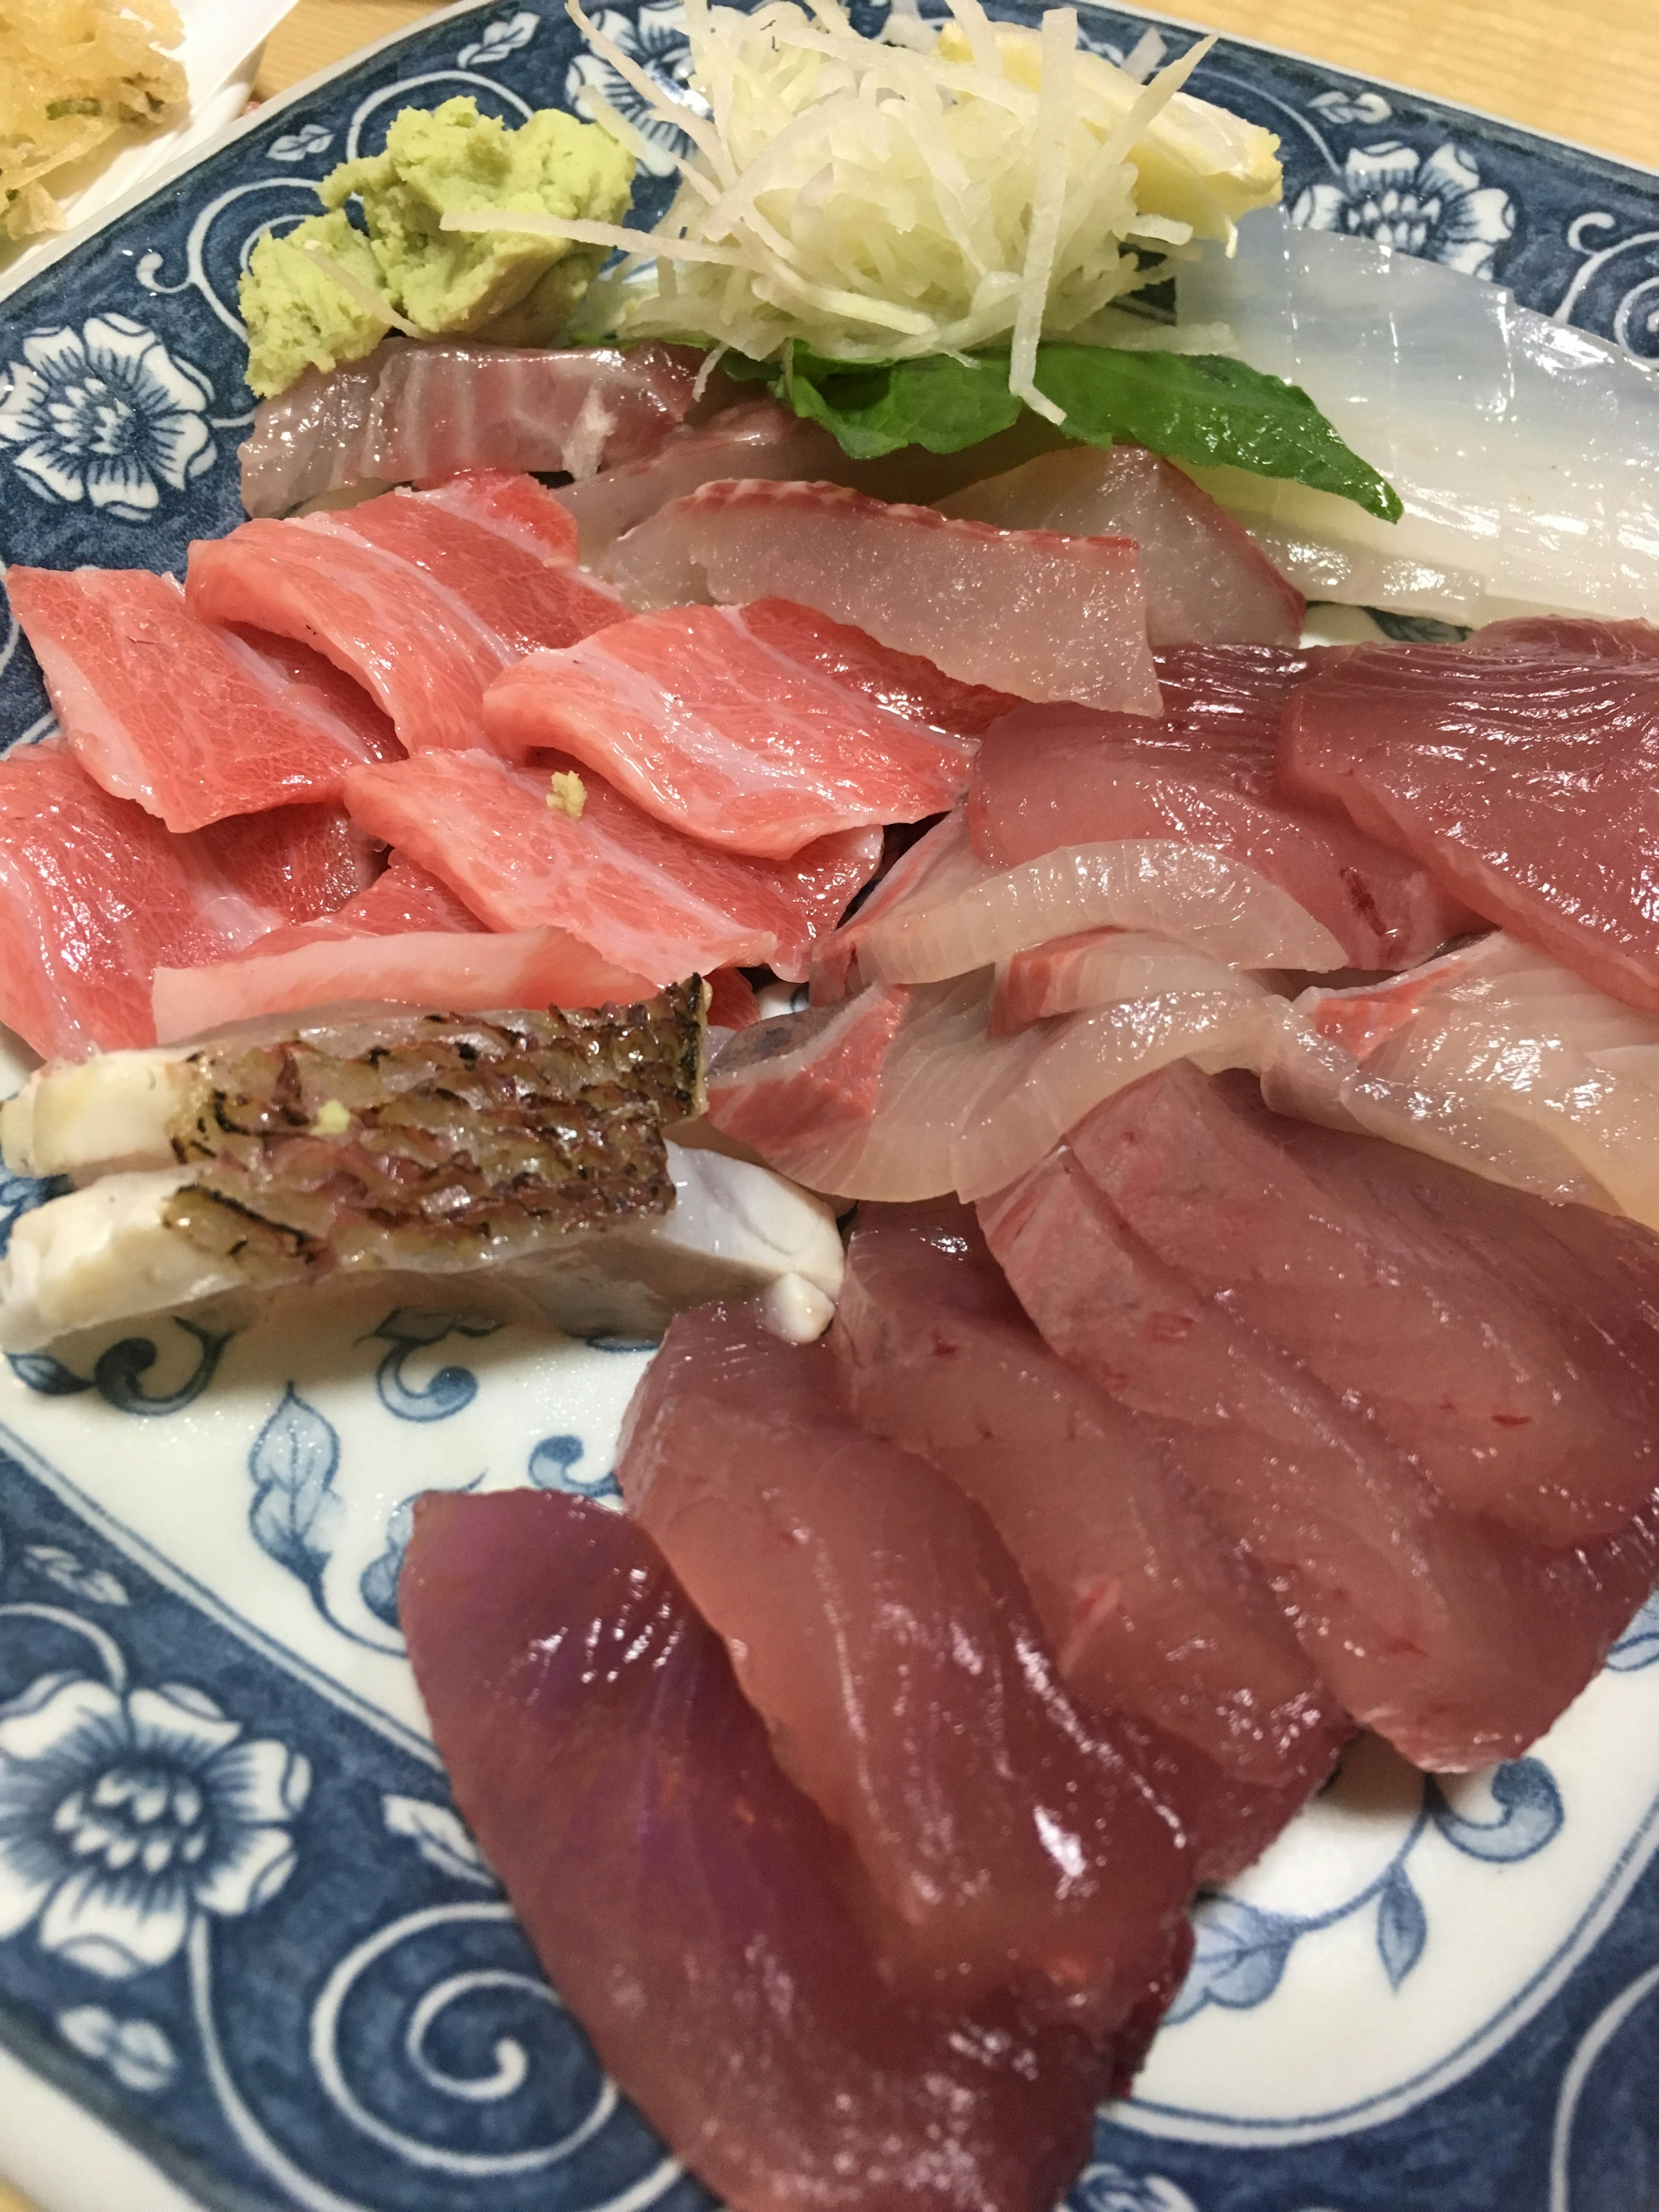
(874, 199)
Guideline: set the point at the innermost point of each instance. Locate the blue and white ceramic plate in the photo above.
(249, 1957)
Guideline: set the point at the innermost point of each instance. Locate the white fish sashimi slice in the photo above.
(1526, 454)
(1495, 1058)
(953, 913)
(1095, 968)
(952, 1108)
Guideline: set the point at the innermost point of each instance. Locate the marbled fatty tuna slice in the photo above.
(96, 896)
(1027, 611)
(876, 1622)
(407, 941)
(687, 1900)
(1050, 778)
(706, 724)
(423, 597)
(1149, 1608)
(1207, 581)
(641, 896)
(194, 722)
(1455, 1637)
(1524, 773)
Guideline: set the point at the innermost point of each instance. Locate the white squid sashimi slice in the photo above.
(903, 1093)
(951, 913)
(1495, 1058)
(1527, 453)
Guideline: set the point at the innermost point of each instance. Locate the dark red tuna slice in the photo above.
(1457, 1637)
(686, 1899)
(875, 1621)
(1148, 1606)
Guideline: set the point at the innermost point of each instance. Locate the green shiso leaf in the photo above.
(1204, 409)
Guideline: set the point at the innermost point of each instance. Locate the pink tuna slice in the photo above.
(424, 597)
(875, 1621)
(194, 722)
(1207, 581)
(1149, 1607)
(688, 1902)
(416, 413)
(952, 1108)
(407, 941)
(1049, 779)
(943, 911)
(1022, 611)
(1522, 770)
(711, 728)
(1456, 1636)
(643, 898)
(96, 896)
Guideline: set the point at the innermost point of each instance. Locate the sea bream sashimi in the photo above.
(526, 852)
(906, 684)
(1526, 451)
(1456, 1634)
(878, 1624)
(1521, 771)
(424, 597)
(688, 1902)
(902, 1092)
(1494, 1057)
(411, 414)
(1050, 778)
(1149, 1607)
(406, 941)
(96, 896)
(1027, 611)
(942, 910)
(193, 721)
(704, 723)
(1206, 580)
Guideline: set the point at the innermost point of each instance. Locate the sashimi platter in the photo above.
(829, 1235)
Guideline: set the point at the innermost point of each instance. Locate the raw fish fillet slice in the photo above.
(1448, 1307)
(710, 728)
(876, 1623)
(193, 722)
(1451, 1635)
(1495, 1058)
(411, 414)
(1206, 580)
(1022, 611)
(500, 545)
(642, 897)
(943, 911)
(1097, 967)
(1527, 453)
(95, 895)
(1148, 1606)
(1526, 780)
(416, 600)
(1053, 777)
(953, 1108)
(687, 1900)
(756, 440)
(407, 941)
(903, 681)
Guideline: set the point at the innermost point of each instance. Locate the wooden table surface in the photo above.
(1595, 79)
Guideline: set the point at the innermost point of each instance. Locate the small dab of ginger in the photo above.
(567, 794)
(332, 1119)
